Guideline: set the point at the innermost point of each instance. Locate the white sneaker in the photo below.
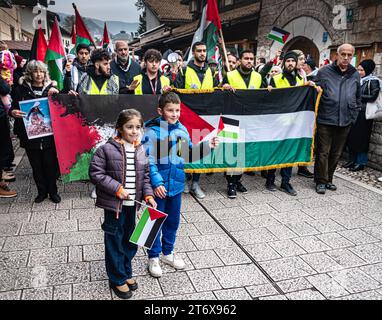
(197, 191)
(186, 187)
(154, 267)
(93, 194)
(174, 261)
(380, 179)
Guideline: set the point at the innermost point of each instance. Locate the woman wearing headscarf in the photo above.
(359, 136)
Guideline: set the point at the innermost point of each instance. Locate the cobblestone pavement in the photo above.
(261, 245)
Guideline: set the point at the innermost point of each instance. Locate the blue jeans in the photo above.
(118, 250)
(195, 177)
(171, 206)
(360, 158)
(286, 174)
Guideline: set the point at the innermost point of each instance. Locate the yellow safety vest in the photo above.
(236, 80)
(281, 82)
(192, 80)
(93, 88)
(163, 80)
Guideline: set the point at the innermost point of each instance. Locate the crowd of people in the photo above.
(126, 170)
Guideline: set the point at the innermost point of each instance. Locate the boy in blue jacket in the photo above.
(168, 144)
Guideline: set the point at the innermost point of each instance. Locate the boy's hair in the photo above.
(168, 97)
(82, 46)
(125, 116)
(196, 44)
(100, 55)
(152, 55)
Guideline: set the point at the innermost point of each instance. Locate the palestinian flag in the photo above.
(266, 130)
(105, 42)
(278, 35)
(208, 28)
(228, 128)
(73, 37)
(55, 55)
(148, 227)
(82, 33)
(39, 45)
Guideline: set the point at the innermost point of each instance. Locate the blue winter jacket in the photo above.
(168, 147)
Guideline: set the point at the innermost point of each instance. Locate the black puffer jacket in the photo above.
(107, 171)
(25, 92)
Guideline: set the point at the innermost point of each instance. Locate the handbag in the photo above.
(374, 109)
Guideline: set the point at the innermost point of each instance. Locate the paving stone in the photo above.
(10, 295)
(44, 206)
(311, 244)
(13, 260)
(98, 271)
(184, 244)
(61, 239)
(84, 203)
(4, 207)
(296, 284)
(367, 295)
(374, 231)
(97, 290)
(200, 216)
(232, 294)
(313, 203)
(262, 290)
(10, 229)
(254, 236)
(89, 224)
(352, 222)
(75, 187)
(353, 208)
(346, 258)
(287, 248)
(374, 215)
(281, 232)
(335, 240)
(75, 254)
(264, 220)
(37, 294)
(358, 236)
(239, 276)
(275, 297)
(20, 207)
(327, 286)
(321, 262)
(210, 205)
(326, 225)
(305, 295)
(205, 242)
(238, 202)
(148, 288)
(208, 227)
(203, 280)
(63, 292)
(232, 256)
(229, 213)
(262, 197)
(191, 206)
(204, 259)
(354, 280)
(61, 226)
(374, 271)
(186, 229)
(259, 209)
(344, 198)
(43, 257)
(236, 224)
(90, 213)
(7, 278)
(287, 268)
(293, 216)
(49, 275)
(262, 252)
(302, 229)
(318, 213)
(65, 204)
(33, 228)
(289, 205)
(28, 242)
(176, 283)
(371, 253)
(199, 296)
(59, 215)
(94, 252)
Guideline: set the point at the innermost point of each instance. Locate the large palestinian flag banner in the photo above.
(258, 130)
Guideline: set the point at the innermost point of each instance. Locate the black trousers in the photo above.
(45, 169)
(233, 178)
(6, 148)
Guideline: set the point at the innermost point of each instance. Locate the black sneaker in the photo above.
(270, 186)
(331, 186)
(250, 173)
(320, 188)
(348, 164)
(241, 188)
(287, 188)
(231, 191)
(303, 171)
(40, 198)
(55, 198)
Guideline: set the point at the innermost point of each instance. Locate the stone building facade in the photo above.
(318, 27)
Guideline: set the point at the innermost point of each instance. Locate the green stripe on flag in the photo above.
(228, 134)
(273, 37)
(82, 40)
(139, 228)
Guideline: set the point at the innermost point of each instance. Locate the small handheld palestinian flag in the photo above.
(278, 35)
(228, 128)
(148, 227)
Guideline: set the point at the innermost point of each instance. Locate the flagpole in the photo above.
(224, 50)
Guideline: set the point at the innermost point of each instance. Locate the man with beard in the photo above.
(98, 78)
(150, 81)
(125, 67)
(74, 72)
(244, 77)
(288, 78)
(196, 75)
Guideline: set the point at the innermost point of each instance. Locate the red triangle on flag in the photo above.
(221, 126)
(192, 121)
(155, 214)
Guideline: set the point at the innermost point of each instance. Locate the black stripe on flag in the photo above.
(280, 30)
(151, 238)
(230, 121)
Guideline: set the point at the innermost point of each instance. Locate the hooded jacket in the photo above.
(168, 147)
(107, 171)
(341, 98)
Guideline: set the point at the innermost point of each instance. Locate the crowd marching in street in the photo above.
(123, 179)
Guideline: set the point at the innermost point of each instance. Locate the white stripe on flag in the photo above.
(145, 232)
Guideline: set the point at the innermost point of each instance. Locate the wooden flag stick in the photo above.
(224, 50)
